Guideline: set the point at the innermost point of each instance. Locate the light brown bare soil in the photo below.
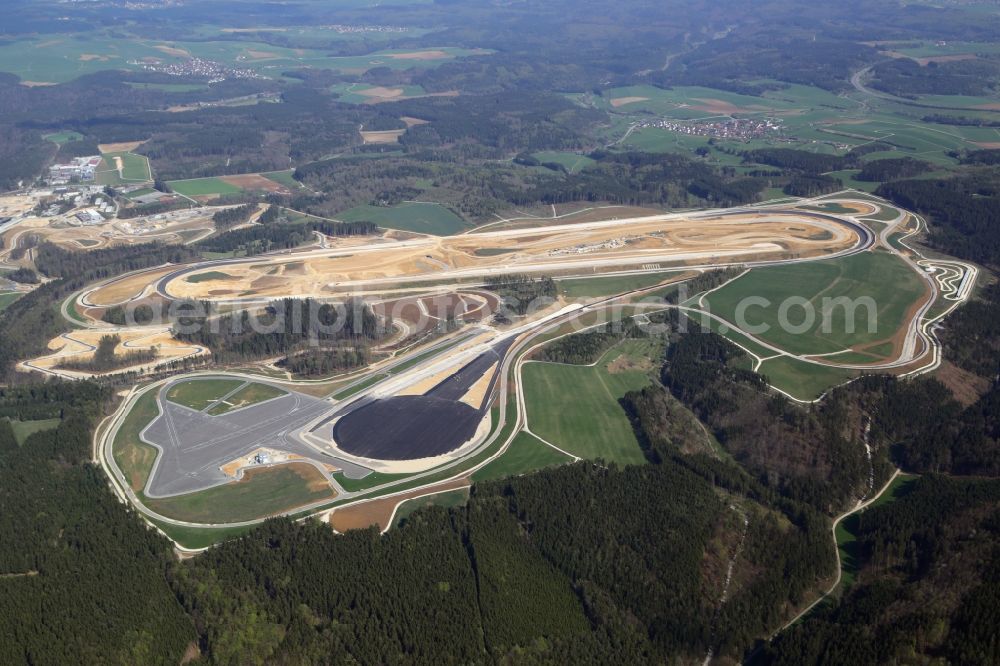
(965, 386)
(382, 136)
(379, 512)
(124, 147)
(622, 101)
(254, 181)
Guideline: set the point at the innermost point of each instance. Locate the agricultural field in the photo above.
(62, 58)
(200, 393)
(206, 189)
(811, 119)
(424, 218)
(576, 407)
(893, 286)
(283, 178)
(203, 187)
(363, 93)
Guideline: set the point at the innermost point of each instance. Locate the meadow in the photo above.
(200, 393)
(61, 58)
(571, 162)
(424, 218)
(135, 169)
(577, 409)
(262, 492)
(893, 286)
(203, 187)
(525, 454)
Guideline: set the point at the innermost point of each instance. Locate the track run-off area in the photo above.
(431, 417)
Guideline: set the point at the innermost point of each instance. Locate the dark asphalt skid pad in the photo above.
(406, 427)
(419, 426)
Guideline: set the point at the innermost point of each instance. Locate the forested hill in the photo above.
(82, 579)
(930, 588)
(582, 564)
(963, 211)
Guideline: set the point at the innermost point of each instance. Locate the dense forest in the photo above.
(276, 232)
(284, 326)
(83, 580)
(230, 217)
(324, 361)
(929, 588)
(105, 359)
(963, 210)
(521, 294)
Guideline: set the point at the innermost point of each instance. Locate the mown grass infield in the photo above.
(262, 492)
(893, 287)
(251, 394)
(200, 393)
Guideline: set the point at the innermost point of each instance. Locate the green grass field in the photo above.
(58, 58)
(200, 393)
(25, 429)
(283, 178)
(200, 537)
(63, 137)
(134, 457)
(803, 381)
(203, 187)
(576, 407)
(572, 162)
(7, 298)
(525, 454)
(609, 286)
(452, 498)
(135, 169)
(268, 491)
(891, 285)
(370, 481)
(425, 218)
(251, 394)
